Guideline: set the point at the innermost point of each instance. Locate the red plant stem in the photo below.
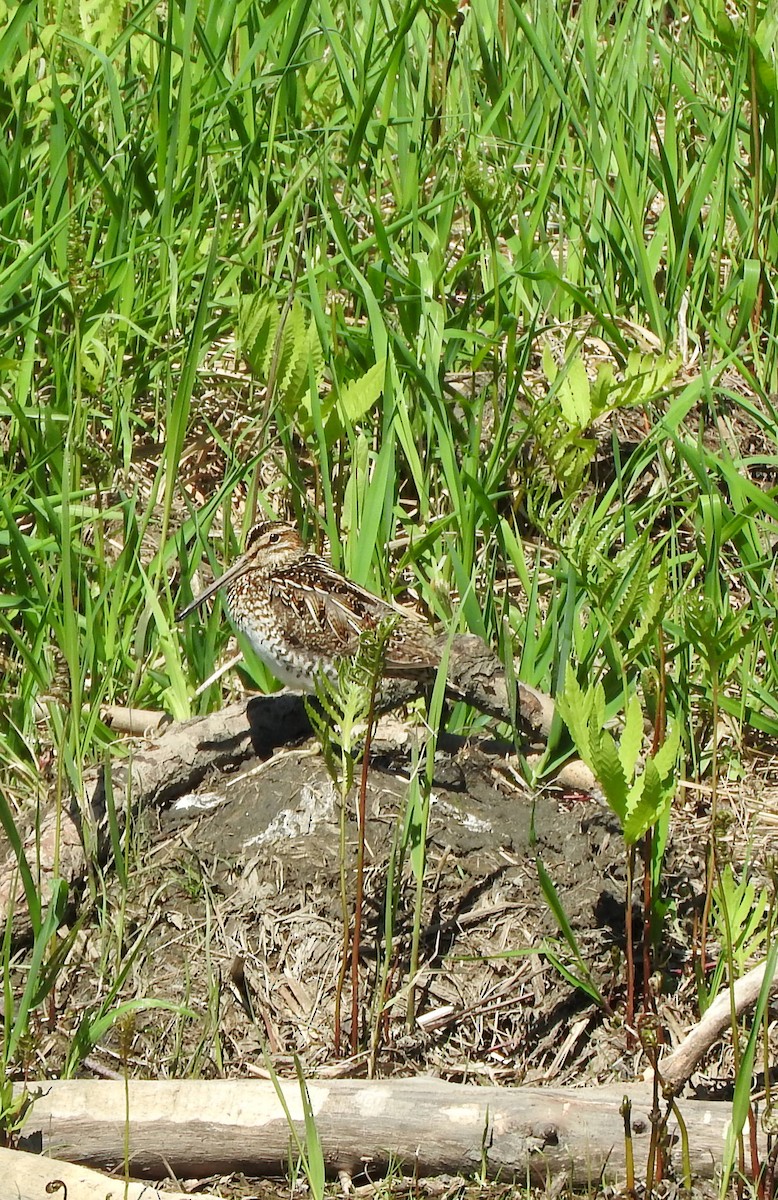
(648, 995)
(660, 725)
(757, 1171)
(630, 947)
(360, 888)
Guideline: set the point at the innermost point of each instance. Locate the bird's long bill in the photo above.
(212, 588)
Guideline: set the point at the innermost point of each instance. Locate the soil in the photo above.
(271, 851)
(237, 889)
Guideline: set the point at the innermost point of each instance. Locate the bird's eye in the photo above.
(273, 539)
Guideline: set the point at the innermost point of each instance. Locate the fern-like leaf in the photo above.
(293, 360)
(631, 569)
(574, 707)
(101, 21)
(341, 707)
(358, 397)
(647, 800)
(650, 611)
(666, 756)
(574, 394)
(609, 771)
(631, 741)
(256, 331)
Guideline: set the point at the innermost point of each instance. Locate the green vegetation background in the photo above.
(570, 208)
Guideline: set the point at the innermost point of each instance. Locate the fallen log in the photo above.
(677, 1067)
(31, 1177)
(422, 1126)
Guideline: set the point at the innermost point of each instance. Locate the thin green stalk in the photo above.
(629, 1152)
(683, 1132)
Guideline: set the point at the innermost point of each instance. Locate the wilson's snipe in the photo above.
(301, 615)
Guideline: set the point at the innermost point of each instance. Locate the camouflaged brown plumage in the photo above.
(301, 615)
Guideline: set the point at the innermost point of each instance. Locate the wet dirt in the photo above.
(266, 858)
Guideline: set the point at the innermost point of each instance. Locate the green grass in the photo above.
(510, 194)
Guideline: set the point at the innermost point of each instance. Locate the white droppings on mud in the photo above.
(314, 807)
(198, 802)
(467, 820)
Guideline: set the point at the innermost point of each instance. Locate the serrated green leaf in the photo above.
(646, 375)
(597, 709)
(101, 21)
(295, 371)
(297, 395)
(586, 536)
(574, 708)
(300, 356)
(315, 352)
(292, 363)
(574, 394)
(602, 389)
(257, 326)
(632, 571)
(358, 397)
(609, 771)
(550, 368)
(647, 800)
(651, 610)
(666, 757)
(631, 741)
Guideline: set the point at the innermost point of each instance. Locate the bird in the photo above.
(302, 616)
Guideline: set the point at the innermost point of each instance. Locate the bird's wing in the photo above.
(323, 610)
